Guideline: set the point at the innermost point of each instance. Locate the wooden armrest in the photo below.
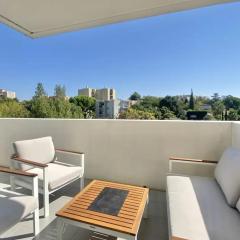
(17, 172)
(28, 162)
(67, 151)
(177, 238)
(191, 160)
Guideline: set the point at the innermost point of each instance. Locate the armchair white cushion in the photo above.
(14, 207)
(227, 174)
(39, 150)
(58, 175)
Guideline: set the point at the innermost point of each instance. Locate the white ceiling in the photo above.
(37, 18)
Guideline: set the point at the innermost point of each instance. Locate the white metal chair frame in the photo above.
(34, 178)
(44, 168)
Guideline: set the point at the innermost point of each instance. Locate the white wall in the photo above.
(236, 134)
(126, 151)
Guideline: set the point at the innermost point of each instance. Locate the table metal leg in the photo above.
(145, 214)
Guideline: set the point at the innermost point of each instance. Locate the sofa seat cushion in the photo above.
(58, 175)
(14, 207)
(198, 210)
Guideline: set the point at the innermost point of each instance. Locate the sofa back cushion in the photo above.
(227, 174)
(238, 205)
(38, 150)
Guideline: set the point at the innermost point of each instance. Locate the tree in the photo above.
(216, 97)
(87, 104)
(39, 107)
(13, 109)
(191, 101)
(233, 115)
(135, 96)
(218, 109)
(231, 102)
(40, 91)
(175, 105)
(137, 114)
(165, 113)
(60, 91)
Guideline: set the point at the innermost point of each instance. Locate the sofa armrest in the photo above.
(28, 162)
(188, 160)
(16, 172)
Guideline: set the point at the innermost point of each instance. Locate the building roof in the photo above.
(37, 18)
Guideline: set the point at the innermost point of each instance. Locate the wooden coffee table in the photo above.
(112, 210)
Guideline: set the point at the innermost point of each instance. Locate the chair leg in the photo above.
(81, 183)
(12, 182)
(36, 222)
(46, 204)
(45, 192)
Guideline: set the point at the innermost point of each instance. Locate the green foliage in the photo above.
(137, 114)
(175, 105)
(39, 107)
(135, 96)
(218, 109)
(12, 109)
(231, 102)
(165, 113)
(233, 115)
(40, 91)
(60, 91)
(87, 104)
(191, 101)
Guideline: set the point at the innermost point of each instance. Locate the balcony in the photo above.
(134, 152)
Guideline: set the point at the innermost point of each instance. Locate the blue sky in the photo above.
(168, 54)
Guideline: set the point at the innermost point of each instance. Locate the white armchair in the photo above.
(39, 156)
(14, 206)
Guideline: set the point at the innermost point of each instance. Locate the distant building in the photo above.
(108, 109)
(206, 107)
(125, 104)
(55, 97)
(88, 92)
(104, 94)
(7, 94)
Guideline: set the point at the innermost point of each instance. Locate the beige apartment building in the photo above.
(7, 94)
(88, 92)
(104, 94)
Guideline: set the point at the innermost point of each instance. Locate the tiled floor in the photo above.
(153, 228)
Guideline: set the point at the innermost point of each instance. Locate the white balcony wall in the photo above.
(134, 152)
(236, 134)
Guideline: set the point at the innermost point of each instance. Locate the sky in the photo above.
(158, 56)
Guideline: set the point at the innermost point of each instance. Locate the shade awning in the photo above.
(37, 18)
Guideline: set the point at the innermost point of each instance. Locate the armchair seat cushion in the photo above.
(198, 210)
(58, 175)
(14, 207)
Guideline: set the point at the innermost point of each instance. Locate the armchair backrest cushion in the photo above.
(39, 150)
(238, 205)
(227, 174)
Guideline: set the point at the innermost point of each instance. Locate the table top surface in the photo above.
(126, 221)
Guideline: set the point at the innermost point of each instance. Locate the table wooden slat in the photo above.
(128, 218)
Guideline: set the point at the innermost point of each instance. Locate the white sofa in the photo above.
(202, 208)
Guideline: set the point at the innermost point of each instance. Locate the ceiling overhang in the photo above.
(38, 18)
